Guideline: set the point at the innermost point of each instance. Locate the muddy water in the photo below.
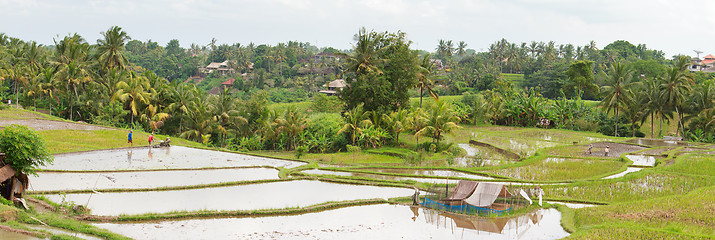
(658, 142)
(47, 181)
(362, 222)
(379, 176)
(175, 157)
(621, 174)
(245, 197)
(440, 173)
(4, 235)
(642, 160)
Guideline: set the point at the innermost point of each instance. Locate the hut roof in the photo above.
(6, 172)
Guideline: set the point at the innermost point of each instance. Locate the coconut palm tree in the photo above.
(356, 119)
(365, 57)
(292, 123)
(109, 50)
(674, 88)
(424, 78)
(134, 93)
(439, 120)
(396, 122)
(616, 92)
(461, 48)
(199, 120)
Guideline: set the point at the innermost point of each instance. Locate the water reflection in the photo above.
(361, 222)
(621, 174)
(642, 160)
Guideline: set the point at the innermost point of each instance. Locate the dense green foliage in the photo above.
(24, 149)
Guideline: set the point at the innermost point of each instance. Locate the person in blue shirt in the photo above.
(129, 139)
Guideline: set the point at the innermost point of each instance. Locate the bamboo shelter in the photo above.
(470, 197)
(12, 183)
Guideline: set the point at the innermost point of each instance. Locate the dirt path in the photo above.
(42, 125)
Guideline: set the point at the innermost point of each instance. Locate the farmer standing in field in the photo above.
(151, 139)
(129, 139)
(608, 149)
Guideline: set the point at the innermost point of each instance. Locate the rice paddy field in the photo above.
(99, 189)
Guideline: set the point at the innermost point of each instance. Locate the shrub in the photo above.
(23, 148)
(300, 151)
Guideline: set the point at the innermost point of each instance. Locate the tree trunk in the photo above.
(421, 93)
(651, 125)
(615, 131)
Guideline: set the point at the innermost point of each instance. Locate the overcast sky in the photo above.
(676, 27)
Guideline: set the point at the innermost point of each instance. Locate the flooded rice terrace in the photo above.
(380, 176)
(242, 197)
(181, 166)
(363, 222)
(175, 157)
(53, 181)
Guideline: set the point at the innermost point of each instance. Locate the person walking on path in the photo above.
(151, 139)
(608, 149)
(129, 139)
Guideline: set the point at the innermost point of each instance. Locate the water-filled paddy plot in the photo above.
(175, 157)
(54, 181)
(242, 197)
(363, 222)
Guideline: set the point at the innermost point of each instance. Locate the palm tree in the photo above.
(424, 78)
(199, 120)
(180, 95)
(292, 123)
(356, 119)
(617, 91)
(650, 95)
(397, 122)
(109, 49)
(18, 74)
(440, 119)
(674, 88)
(461, 48)
(73, 75)
(47, 83)
(365, 57)
(134, 93)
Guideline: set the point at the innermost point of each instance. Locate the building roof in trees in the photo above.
(229, 82)
(708, 59)
(337, 84)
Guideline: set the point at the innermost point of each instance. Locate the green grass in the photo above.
(677, 213)
(699, 164)
(14, 113)
(560, 169)
(67, 140)
(644, 184)
(343, 158)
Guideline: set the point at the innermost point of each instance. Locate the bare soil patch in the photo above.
(42, 125)
(615, 149)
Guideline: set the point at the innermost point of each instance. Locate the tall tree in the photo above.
(110, 49)
(616, 92)
(674, 88)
